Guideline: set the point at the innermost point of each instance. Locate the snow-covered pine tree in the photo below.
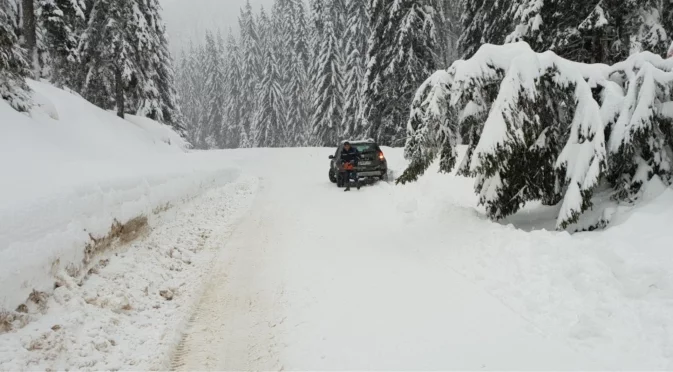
(200, 109)
(147, 94)
(318, 18)
(546, 128)
(270, 117)
(211, 134)
(328, 104)
(290, 48)
(29, 35)
(431, 128)
(318, 15)
(109, 51)
(453, 105)
(401, 56)
(484, 21)
(234, 108)
(300, 31)
(63, 22)
(355, 41)
(281, 36)
(584, 31)
(159, 69)
(338, 13)
(251, 71)
(447, 23)
(265, 35)
(297, 110)
(374, 100)
(544, 119)
(641, 123)
(13, 67)
(605, 31)
(652, 34)
(187, 93)
(442, 40)
(297, 84)
(667, 21)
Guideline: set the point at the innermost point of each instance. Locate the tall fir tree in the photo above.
(484, 21)
(63, 22)
(214, 120)
(235, 133)
(13, 67)
(186, 92)
(356, 38)
(401, 55)
(328, 103)
(29, 35)
(377, 54)
(269, 129)
(296, 86)
(596, 31)
(251, 71)
(300, 31)
(158, 67)
(110, 56)
(199, 61)
(447, 19)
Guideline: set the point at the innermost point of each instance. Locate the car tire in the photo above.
(332, 176)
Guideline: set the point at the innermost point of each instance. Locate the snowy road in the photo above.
(274, 268)
(317, 279)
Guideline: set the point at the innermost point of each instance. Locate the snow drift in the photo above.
(70, 171)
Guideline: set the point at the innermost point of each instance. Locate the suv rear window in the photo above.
(366, 147)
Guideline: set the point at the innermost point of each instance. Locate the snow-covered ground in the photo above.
(415, 277)
(251, 259)
(389, 277)
(126, 313)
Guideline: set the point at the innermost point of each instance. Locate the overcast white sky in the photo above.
(189, 19)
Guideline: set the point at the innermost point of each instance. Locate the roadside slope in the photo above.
(71, 173)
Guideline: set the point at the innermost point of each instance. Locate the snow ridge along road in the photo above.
(127, 313)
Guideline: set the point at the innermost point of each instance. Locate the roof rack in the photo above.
(369, 140)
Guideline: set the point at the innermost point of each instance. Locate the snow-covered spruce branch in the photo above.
(540, 127)
(641, 140)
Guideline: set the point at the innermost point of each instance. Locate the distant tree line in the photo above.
(311, 76)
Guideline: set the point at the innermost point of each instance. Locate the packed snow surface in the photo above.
(299, 275)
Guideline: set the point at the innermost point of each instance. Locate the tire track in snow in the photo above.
(233, 326)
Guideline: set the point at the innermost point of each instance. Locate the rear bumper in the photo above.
(370, 172)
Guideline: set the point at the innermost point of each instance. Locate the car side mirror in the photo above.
(331, 157)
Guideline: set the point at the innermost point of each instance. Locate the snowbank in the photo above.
(69, 171)
(159, 131)
(129, 310)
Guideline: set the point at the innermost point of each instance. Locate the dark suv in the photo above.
(372, 164)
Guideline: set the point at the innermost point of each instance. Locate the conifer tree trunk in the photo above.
(119, 87)
(30, 32)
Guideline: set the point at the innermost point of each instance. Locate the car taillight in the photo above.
(381, 157)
